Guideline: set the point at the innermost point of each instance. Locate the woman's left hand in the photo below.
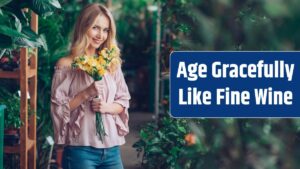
(100, 106)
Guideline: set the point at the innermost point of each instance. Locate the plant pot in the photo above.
(59, 155)
(11, 131)
(7, 67)
(11, 137)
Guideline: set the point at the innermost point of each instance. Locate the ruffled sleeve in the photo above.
(122, 97)
(60, 110)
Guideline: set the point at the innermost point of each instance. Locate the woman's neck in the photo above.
(90, 51)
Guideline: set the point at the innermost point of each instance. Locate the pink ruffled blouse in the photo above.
(78, 127)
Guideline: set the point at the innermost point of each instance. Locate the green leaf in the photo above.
(5, 42)
(32, 41)
(173, 134)
(55, 3)
(4, 2)
(174, 151)
(155, 149)
(2, 51)
(143, 135)
(4, 18)
(15, 8)
(138, 144)
(18, 24)
(31, 34)
(43, 42)
(24, 42)
(160, 134)
(5, 30)
(182, 129)
(154, 141)
(43, 7)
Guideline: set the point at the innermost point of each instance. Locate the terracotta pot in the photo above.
(59, 155)
(11, 131)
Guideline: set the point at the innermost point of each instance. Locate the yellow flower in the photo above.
(114, 61)
(104, 53)
(101, 61)
(113, 47)
(80, 66)
(101, 72)
(92, 62)
(98, 65)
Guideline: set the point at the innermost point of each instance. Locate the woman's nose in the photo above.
(100, 34)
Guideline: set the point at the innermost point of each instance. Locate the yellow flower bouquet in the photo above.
(96, 66)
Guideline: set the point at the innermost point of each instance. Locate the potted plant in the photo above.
(10, 60)
(12, 121)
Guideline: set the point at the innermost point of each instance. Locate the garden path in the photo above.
(129, 154)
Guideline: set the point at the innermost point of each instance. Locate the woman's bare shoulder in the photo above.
(64, 61)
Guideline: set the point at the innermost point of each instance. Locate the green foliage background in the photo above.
(224, 143)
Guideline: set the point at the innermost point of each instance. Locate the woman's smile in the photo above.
(97, 40)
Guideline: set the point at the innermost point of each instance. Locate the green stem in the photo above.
(100, 131)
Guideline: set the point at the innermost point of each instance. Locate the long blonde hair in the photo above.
(84, 21)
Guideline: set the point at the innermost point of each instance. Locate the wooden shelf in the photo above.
(27, 76)
(16, 74)
(16, 148)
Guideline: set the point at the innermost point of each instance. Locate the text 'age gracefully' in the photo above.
(277, 69)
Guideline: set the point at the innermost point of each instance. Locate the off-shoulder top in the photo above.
(78, 127)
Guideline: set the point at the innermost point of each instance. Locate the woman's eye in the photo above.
(95, 27)
(106, 30)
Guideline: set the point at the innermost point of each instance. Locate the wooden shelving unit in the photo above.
(27, 75)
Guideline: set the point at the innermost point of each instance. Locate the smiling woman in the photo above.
(73, 103)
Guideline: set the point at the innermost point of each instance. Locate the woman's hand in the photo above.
(93, 90)
(100, 106)
(104, 107)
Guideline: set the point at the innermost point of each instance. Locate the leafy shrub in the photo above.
(162, 143)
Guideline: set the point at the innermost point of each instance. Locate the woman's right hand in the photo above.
(94, 89)
(91, 91)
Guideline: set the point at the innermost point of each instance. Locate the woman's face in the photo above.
(98, 32)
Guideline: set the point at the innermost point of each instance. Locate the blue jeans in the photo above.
(85, 157)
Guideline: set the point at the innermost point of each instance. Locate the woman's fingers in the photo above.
(96, 104)
(96, 108)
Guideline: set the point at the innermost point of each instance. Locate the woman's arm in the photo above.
(79, 99)
(83, 95)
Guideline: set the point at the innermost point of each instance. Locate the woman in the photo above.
(73, 102)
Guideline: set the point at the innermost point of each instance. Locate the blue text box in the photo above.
(244, 90)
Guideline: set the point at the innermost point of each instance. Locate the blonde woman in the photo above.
(73, 102)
